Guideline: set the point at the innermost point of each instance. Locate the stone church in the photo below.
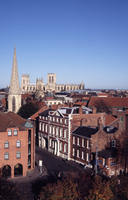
(14, 96)
(51, 85)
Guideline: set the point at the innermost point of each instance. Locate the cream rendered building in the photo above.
(14, 96)
(51, 85)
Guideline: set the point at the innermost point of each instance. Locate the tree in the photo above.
(28, 110)
(65, 189)
(8, 190)
(101, 190)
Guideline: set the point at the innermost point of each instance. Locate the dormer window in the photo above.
(9, 132)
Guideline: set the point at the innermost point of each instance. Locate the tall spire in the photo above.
(14, 84)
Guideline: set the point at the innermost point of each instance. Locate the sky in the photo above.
(79, 40)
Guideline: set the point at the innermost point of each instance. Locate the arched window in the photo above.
(13, 104)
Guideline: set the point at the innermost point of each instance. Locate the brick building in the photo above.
(17, 145)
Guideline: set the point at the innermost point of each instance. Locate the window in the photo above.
(18, 144)
(18, 155)
(40, 126)
(78, 153)
(82, 155)
(78, 141)
(9, 132)
(61, 120)
(43, 127)
(50, 143)
(73, 140)
(15, 132)
(6, 156)
(87, 144)
(65, 133)
(61, 146)
(73, 152)
(53, 130)
(50, 129)
(83, 142)
(87, 156)
(65, 148)
(46, 128)
(61, 131)
(6, 145)
(57, 130)
(53, 119)
(113, 143)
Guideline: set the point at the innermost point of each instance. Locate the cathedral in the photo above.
(14, 96)
(51, 85)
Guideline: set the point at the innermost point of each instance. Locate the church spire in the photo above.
(14, 84)
(14, 97)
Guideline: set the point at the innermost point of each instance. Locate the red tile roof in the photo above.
(110, 101)
(11, 120)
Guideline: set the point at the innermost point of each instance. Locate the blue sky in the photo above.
(76, 39)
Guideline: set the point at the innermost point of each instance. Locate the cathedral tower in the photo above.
(14, 97)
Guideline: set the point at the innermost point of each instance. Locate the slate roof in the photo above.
(107, 153)
(11, 120)
(85, 131)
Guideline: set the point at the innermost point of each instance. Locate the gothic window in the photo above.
(52, 79)
(13, 104)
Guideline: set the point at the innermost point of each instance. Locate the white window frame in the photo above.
(6, 145)
(78, 141)
(65, 148)
(87, 143)
(83, 142)
(61, 146)
(18, 155)
(6, 156)
(65, 133)
(82, 155)
(73, 139)
(87, 157)
(73, 151)
(15, 132)
(78, 153)
(18, 143)
(61, 132)
(9, 132)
